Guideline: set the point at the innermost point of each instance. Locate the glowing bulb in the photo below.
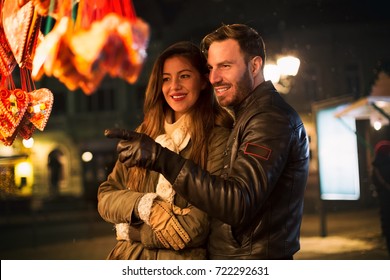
(29, 143)
(87, 156)
(377, 125)
(23, 169)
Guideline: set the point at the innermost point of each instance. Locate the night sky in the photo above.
(200, 16)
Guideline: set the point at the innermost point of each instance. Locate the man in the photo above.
(257, 203)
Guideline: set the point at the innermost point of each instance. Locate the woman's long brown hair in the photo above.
(204, 116)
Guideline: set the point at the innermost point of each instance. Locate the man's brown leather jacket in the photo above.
(257, 205)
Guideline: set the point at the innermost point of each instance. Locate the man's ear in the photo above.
(256, 63)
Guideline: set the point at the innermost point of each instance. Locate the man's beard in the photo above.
(243, 88)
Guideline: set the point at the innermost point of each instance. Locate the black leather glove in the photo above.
(138, 149)
(135, 149)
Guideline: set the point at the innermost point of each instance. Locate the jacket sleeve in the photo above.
(235, 199)
(116, 203)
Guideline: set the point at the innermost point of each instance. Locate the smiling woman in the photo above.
(182, 114)
(182, 84)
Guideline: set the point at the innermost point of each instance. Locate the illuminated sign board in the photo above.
(337, 155)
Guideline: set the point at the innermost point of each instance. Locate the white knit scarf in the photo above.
(176, 138)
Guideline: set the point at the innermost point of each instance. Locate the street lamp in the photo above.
(289, 65)
(272, 73)
(282, 72)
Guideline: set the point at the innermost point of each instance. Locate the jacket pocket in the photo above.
(222, 241)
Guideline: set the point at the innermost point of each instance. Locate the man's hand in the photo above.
(135, 149)
(166, 226)
(138, 149)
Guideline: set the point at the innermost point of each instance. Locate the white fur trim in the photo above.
(122, 231)
(144, 205)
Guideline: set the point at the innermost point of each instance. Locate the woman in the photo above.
(181, 112)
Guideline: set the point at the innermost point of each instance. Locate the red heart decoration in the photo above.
(40, 106)
(13, 105)
(8, 140)
(16, 24)
(7, 59)
(26, 128)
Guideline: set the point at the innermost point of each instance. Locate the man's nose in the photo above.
(214, 76)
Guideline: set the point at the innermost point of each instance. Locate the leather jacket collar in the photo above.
(263, 87)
